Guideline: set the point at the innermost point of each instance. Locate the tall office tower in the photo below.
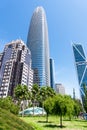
(59, 88)
(38, 43)
(52, 74)
(15, 67)
(81, 66)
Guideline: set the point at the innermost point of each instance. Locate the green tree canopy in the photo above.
(77, 107)
(63, 105)
(49, 105)
(8, 104)
(21, 92)
(59, 107)
(85, 97)
(69, 102)
(46, 92)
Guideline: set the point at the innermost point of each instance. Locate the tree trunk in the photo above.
(33, 107)
(61, 121)
(42, 107)
(47, 117)
(23, 109)
(70, 117)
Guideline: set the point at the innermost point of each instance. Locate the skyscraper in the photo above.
(15, 67)
(81, 66)
(59, 88)
(38, 43)
(52, 74)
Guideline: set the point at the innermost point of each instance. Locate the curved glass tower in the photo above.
(38, 43)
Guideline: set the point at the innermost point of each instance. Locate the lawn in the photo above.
(39, 123)
(8, 121)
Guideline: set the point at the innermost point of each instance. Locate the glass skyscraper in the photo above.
(38, 43)
(52, 74)
(81, 66)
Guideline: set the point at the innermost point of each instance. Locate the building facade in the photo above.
(81, 66)
(15, 67)
(59, 88)
(52, 74)
(38, 43)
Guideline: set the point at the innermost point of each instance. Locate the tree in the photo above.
(8, 104)
(63, 105)
(46, 92)
(50, 92)
(21, 94)
(77, 107)
(85, 97)
(69, 102)
(48, 105)
(59, 107)
(43, 96)
(35, 94)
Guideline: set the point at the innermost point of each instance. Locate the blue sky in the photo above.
(67, 22)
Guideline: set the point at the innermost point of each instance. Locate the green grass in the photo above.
(39, 123)
(9, 121)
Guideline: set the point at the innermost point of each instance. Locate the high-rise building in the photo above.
(38, 43)
(52, 74)
(81, 66)
(59, 88)
(15, 67)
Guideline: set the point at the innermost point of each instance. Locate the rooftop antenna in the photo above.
(74, 93)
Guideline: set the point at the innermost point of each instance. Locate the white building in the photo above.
(15, 67)
(59, 88)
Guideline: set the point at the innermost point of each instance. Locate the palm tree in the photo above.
(45, 92)
(35, 94)
(21, 94)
